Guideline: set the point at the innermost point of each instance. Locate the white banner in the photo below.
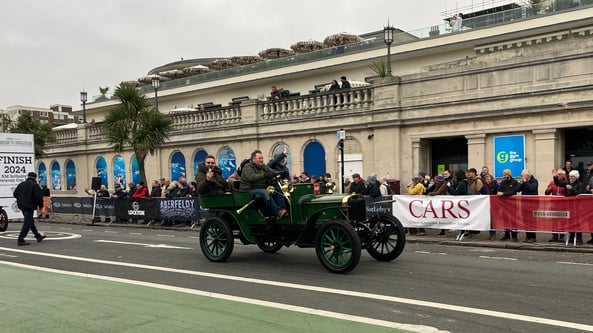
(17, 158)
(460, 212)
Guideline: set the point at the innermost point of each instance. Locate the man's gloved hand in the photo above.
(270, 174)
(283, 173)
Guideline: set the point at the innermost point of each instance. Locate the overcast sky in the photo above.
(50, 50)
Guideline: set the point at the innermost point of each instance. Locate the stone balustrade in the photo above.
(66, 135)
(206, 118)
(291, 108)
(315, 104)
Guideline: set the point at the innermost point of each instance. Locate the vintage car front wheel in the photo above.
(388, 238)
(338, 246)
(3, 220)
(216, 239)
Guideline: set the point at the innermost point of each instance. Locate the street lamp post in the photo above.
(388, 39)
(341, 137)
(83, 99)
(156, 83)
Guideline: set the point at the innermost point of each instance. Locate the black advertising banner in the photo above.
(142, 209)
(380, 205)
(72, 205)
(179, 209)
(175, 209)
(104, 207)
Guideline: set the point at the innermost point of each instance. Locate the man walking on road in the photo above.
(29, 198)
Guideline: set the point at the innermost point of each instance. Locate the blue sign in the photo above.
(509, 153)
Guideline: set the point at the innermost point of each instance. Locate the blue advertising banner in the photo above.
(509, 153)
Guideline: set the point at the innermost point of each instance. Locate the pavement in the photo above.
(483, 240)
(431, 237)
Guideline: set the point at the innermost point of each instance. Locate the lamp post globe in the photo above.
(83, 99)
(388, 39)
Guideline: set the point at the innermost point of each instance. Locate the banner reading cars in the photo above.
(463, 212)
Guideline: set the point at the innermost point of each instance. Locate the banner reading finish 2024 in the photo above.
(17, 158)
(509, 153)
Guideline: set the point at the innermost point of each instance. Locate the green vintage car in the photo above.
(337, 225)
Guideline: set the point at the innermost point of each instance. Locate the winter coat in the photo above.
(217, 185)
(28, 195)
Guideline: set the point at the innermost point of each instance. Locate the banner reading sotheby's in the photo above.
(462, 212)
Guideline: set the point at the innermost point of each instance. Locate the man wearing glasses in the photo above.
(210, 178)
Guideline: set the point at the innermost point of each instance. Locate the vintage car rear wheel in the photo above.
(388, 240)
(338, 246)
(270, 246)
(3, 220)
(216, 239)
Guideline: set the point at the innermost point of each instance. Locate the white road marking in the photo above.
(110, 231)
(51, 235)
(8, 255)
(392, 299)
(162, 246)
(573, 263)
(497, 258)
(135, 233)
(428, 252)
(322, 313)
(163, 235)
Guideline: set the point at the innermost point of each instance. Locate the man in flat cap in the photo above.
(28, 198)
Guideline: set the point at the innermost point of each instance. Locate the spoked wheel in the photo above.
(338, 246)
(3, 220)
(388, 238)
(270, 246)
(216, 239)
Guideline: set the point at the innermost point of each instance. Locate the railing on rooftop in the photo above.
(482, 21)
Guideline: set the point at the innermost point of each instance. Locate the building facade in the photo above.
(454, 101)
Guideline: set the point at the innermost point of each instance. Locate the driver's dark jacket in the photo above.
(254, 177)
(216, 186)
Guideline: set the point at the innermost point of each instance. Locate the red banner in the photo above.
(542, 213)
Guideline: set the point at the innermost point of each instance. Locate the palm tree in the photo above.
(136, 123)
(42, 133)
(103, 92)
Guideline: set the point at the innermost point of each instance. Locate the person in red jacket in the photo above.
(141, 191)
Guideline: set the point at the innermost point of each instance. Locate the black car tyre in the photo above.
(337, 246)
(388, 240)
(270, 246)
(216, 239)
(3, 220)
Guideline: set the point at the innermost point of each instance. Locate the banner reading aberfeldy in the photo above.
(462, 212)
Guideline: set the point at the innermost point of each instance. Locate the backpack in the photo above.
(240, 168)
(389, 190)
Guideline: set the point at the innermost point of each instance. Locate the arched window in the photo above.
(278, 149)
(227, 162)
(70, 175)
(119, 171)
(42, 173)
(56, 176)
(177, 166)
(199, 158)
(135, 171)
(314, 159)
(101, 167)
